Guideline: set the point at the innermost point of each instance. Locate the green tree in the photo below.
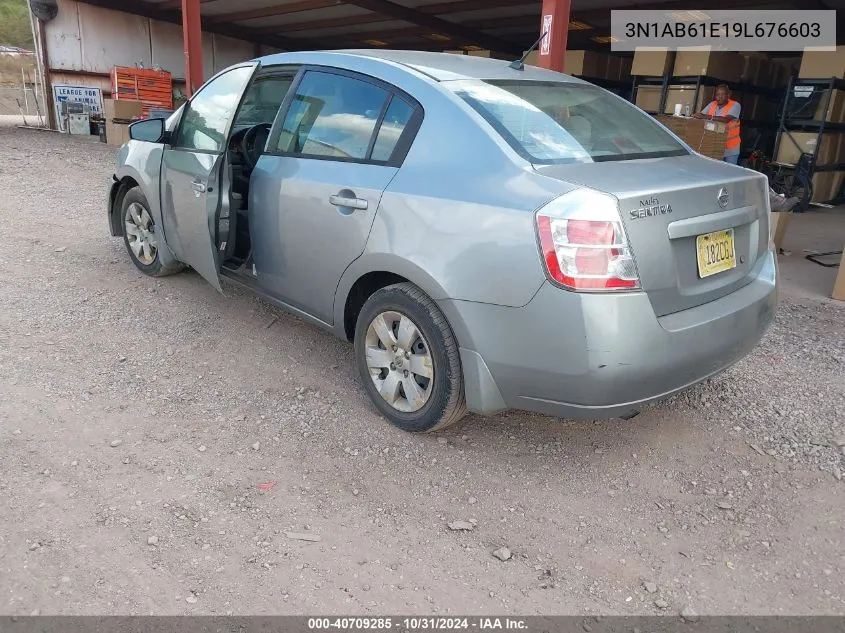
(14, 24)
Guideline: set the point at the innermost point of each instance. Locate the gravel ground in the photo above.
(170, 450)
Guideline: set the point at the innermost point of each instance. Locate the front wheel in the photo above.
(140, 235)
(408, 360)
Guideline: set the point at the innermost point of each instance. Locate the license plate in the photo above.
(716, 252)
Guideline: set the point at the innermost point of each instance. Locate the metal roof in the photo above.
(506, 26)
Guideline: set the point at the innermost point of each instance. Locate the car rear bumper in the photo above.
(599, 356)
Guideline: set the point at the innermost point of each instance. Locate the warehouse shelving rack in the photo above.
(698, 82)
(621, 88)
(791, 121)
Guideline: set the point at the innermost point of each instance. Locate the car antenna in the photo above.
(519, 64)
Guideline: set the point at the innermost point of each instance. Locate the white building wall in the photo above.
(89, 39)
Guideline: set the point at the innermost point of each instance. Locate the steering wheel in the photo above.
(253, 143)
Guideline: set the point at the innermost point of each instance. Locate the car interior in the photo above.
(247, 142)
(330, 116)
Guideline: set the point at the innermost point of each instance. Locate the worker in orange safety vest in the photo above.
(726, 110)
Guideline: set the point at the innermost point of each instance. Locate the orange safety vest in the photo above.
(733, 140)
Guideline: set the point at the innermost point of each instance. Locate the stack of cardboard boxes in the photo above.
(119, 114)
(706, 137)
(732, 68)
(592, 65)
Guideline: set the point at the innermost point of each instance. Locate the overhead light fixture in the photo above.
(376, 42)
(605, 39)
(437, 37)
(576, 25)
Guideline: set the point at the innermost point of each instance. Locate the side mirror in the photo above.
(150, 130)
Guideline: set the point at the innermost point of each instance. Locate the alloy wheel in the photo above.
(399, 361)
(140, 233)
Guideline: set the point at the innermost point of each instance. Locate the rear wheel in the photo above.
(408, 360)
(140, 235)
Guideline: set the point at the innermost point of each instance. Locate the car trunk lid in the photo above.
(665, 205)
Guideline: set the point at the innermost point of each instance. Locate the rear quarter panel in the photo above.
(457, 220)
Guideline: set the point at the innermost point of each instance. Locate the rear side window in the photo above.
(332, 116)
(558, 122)
(397, 117)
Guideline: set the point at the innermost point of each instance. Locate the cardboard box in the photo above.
(829, 151)
(826, 185)
(705, 137)
(785, 67)
(492, 54)
(614, 68)
(751, 67)
(768, 74)
(685, 95)
(819, 64)
(839, 285)
(585, 64)
(691, 62)
(116, 133)
(836, 184)
(625, 69)
(821, 186)
(835, 112)
(678, 125)
(458, 52)
(123, 109)
(652, 62)
(533, 58)
(779, 224)
(648, 98)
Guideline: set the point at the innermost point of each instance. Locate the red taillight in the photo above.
(586, 254)
(589, 232)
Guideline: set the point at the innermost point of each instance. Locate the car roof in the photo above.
(438, 66)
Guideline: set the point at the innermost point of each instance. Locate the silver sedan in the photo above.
(490, 235)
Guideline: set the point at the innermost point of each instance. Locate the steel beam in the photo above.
(683, 5)
(150, 10)
(175, 5)
(266, 12)
(441, 8)
(554, 24)
(437, 25)
(411, 32)
(192, 38)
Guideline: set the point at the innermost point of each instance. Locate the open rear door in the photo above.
(192, 200)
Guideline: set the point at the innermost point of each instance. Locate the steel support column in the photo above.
(554, 21)
(192, 36)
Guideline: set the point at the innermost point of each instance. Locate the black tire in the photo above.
(446, 403)
(794, 185)
(153, 268)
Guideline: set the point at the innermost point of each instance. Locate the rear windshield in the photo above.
(555, 122)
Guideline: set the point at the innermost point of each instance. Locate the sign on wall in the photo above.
(76, 100)
(545, 45)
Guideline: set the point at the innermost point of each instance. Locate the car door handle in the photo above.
(350, 203)
(198, 187)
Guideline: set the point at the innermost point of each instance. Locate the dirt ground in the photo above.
(139, 418)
